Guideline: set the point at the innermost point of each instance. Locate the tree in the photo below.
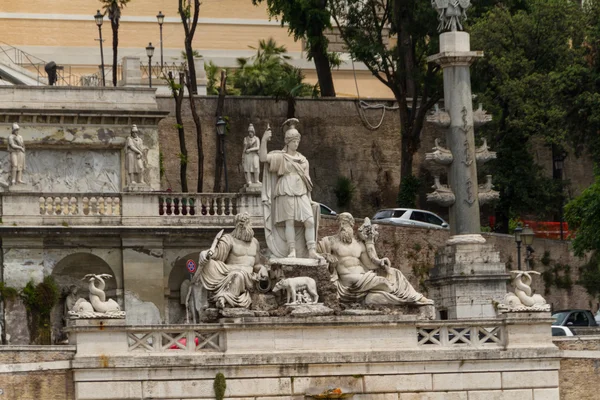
(393, 38)
(177, 91)
(308, 19)
(113, 8)
(268, 73)
(189, 19)
(528, 53)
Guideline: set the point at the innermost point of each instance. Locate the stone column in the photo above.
(468, 279)
(455, 58)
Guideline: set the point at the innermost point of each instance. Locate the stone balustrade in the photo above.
(461, 333)
(167, 338)
(127, 209)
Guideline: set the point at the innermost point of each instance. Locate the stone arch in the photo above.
(178, 274)
(69, 271)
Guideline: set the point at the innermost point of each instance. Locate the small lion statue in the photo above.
(294, 285)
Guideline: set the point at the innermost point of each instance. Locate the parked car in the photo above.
(410, 217)
(326, 210)
(574, 318)
(561, 331)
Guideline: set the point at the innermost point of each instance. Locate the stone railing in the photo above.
(172, 338)
(127, 209)
(461, 333)
(69, 205)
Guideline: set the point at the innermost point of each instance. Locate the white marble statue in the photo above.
(450, 13)
(523, 299)
(134, 157)
(299, 290)
(97, 306)
(250, 159)
(290, 215)
(16, 148)
(359, 274)
(231, 267)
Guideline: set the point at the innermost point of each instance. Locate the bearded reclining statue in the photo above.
(359, 274)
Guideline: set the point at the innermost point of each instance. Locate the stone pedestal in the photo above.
(252, 188)
(137, 187)
(19, 188)
(468, 281)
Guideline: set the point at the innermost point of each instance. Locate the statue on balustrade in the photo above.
(16, 148)
(290, 215)
(250, 159)
(134, 157)
(359, 274)
(231, 268)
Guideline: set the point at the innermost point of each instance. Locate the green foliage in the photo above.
(161, 163)
(583, 216)
(407, 196)
(531, 50)
(183, 160)
(220, 385)
(7, 292)
(39, 300)
(421, 272)
(589, 276)
(344, 190)
(268, 73)
(113, 8)
(559, 276)
(545, 260)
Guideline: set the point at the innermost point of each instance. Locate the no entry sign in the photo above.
(191, 266)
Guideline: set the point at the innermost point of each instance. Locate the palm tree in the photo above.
(113, 9)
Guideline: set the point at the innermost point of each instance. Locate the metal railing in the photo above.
(159, 72)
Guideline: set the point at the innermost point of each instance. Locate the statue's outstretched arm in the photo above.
(262, 151)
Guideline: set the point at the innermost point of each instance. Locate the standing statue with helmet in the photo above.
(290, 215)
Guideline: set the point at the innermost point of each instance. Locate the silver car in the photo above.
(410, 217)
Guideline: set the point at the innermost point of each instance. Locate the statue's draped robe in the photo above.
(133, 163)
(228, 281)
(372, 288)
(251, 162)
(17, 157)
(286, 195)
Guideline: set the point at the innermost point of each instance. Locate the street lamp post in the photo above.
(99, 17)
(221, 133)
(161, 18)
(523, 235)
(150, 53)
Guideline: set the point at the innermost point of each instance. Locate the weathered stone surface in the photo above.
(309, 310)
(468, 381)
(524, 394)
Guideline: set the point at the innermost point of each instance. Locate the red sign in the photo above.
(191, 266)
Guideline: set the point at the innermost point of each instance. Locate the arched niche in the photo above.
(178, 274)
(70, 271)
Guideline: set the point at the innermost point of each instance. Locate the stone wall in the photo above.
(335, 141)
(36, 372)
(579, 367)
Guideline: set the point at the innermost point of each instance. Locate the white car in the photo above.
(410, 217)
(561, 331)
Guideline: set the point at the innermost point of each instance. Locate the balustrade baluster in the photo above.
(176, 206)
(85, 207)
(73, 208)
(93, 206)
(169, 207)
(57, 210)
(221, 206)
(184, 210)
(108, 210)
(101, 205)
(203, 206)
(161, 205)
(65, 206)
(215, 207)
(42, 204)
(192, 208)
(117, 206)
(230, 208)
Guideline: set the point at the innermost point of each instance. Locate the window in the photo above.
(418, 216)
(432, 219)
(399, 213)
(383, 214)
(558, 332)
